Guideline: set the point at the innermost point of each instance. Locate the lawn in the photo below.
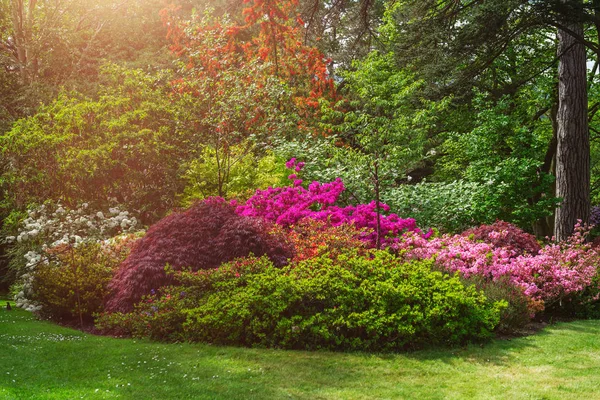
(40, 360)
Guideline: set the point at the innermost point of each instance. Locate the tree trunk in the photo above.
(573, 150)
(23, 19)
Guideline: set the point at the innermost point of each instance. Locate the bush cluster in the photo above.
(340, 302)
(555, 273)
(291, 268)
(32, 238)
(288, 205)
(505, 235)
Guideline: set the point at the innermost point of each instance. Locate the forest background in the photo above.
(451, 112)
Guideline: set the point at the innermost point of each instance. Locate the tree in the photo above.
(245, 84)
(125, 146)
(499, 48)
(573, 139)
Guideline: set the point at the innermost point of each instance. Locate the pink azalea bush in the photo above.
(507, 235)
(555, 272)
(287, 206)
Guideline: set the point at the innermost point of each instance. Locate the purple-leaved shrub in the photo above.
(201, 237)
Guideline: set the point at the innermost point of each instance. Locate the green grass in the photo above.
(39, 360)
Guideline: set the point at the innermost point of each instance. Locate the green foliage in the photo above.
(517, 313)
(125, 145)
(75, 281)
(382, 121)
(515, 191)
(234, 173)
(344, 302)
(446, 206)
(503, 155)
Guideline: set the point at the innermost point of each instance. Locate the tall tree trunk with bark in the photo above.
(573, 150)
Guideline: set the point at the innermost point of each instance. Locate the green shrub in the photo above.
(74, 283)
(124, 144)
(517, 313)
(341, 302)
(447, 206)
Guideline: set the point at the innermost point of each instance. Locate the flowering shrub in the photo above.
(52, 225)
(557, 271)
(342, 302)
(201, 237)
(288, 205)
(506, 235)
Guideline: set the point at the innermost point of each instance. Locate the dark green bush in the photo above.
(342, 302)
(517, 313)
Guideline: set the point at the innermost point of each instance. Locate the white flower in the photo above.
(100, 215)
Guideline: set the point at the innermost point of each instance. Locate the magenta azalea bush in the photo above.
(286, 206)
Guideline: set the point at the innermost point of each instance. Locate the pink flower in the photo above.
(291, 162)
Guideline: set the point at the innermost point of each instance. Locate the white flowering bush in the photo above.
(49, 226)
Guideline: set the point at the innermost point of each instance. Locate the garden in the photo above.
(275, 198)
